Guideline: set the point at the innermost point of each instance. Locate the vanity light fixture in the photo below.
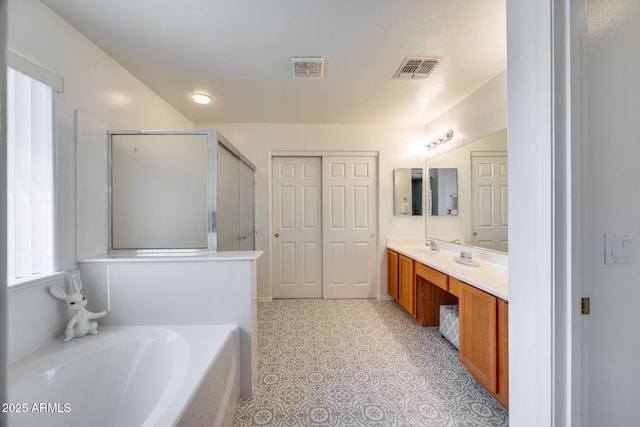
(448, 136)
(201, 98)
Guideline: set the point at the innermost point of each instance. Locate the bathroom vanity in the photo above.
(421, 280)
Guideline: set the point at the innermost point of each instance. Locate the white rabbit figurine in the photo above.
(81, 322)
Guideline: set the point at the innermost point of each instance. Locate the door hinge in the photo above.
(586, 305)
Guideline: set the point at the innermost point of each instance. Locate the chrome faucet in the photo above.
(433, 245)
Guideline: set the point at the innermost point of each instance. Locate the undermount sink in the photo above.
(423, 251)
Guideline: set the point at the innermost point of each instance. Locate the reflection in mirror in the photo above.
(482, 218)
(407, 192)
(443, 191)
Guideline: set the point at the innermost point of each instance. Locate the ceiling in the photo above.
(239, 51)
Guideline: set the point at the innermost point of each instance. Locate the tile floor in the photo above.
(359, 363)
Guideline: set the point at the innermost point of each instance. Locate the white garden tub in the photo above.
(130, 376)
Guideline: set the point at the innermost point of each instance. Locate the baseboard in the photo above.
(386, 297)
(265, 299)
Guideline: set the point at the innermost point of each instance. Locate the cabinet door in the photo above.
(407, 285)
(392, 267)
(503, 353)
(479, 335)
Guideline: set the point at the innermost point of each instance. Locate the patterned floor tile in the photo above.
(359, 363)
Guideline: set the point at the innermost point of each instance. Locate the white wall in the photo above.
(398, 147)
(97, 86)
(611, 204)
(480, 114)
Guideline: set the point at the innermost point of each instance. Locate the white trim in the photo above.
(4, 327)
(290, 153)
(386, 297)
(35, 71)
(76, 181)
(488, 153)
(28, 282)
(575, 400)
(265, 299)
(531, 90)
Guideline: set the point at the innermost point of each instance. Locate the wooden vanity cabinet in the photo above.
(484, 340)
(401, 281)
(479, 335)
(502, 395)
(432, 291)
(406, 286)
(484, 318)
(392, 270)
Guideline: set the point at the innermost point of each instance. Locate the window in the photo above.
(30, 177)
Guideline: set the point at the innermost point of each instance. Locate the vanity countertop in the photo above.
(487, 276)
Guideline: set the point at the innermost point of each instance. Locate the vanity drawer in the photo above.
(454, 286)
(429, 274)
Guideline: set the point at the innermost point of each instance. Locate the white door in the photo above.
(296, 248)
(489, 185)
(349, 227)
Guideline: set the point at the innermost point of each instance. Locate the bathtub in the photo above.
(129, 376)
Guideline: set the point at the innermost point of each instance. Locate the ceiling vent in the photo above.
(308, 67)
(416, 68)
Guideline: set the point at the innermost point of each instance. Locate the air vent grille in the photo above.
(308, 67)
(416, 68)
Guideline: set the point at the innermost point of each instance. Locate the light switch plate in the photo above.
(618, 249)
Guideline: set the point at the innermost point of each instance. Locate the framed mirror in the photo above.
(407, 192)
(482, 202)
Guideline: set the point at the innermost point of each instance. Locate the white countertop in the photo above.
(487, 276)
(133, 256)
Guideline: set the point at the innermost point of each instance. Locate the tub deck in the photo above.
(129, 376)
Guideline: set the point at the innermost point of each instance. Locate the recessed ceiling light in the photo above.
(201, 98)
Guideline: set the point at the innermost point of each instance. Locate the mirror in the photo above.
(482, 214)
(443, 191)
(407, 192)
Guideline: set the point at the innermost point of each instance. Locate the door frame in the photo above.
(545, 51)
(322, 154)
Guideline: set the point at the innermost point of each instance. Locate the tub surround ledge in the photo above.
(133, 256)
(204, 289)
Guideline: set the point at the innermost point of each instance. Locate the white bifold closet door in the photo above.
(324, 240)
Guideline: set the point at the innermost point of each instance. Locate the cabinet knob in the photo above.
(276, 235)
(475, 234)
(372, 235)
